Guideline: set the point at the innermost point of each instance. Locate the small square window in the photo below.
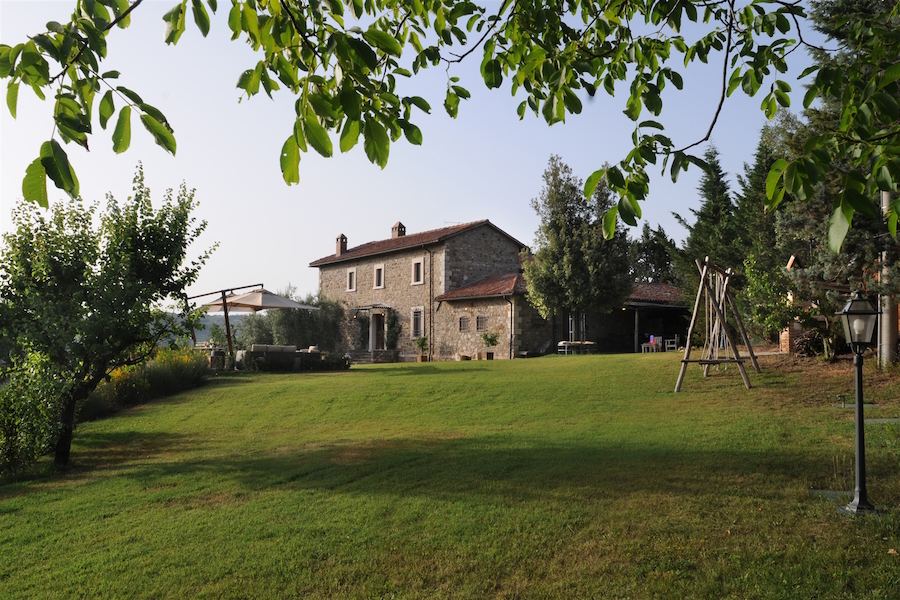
(351, 279)
(464, 323)
(378, 277)
(481, 323)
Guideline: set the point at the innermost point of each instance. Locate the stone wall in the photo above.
(398, 292)
(453, 343)
(529, 330)
(475, 254)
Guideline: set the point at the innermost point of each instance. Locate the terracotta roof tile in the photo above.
(492, 286)
(662, 293)
(403, 242)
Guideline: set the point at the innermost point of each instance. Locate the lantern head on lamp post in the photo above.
(859, 318)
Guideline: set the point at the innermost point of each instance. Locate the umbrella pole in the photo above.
(227, 327)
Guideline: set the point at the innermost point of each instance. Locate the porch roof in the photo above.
(492, 286)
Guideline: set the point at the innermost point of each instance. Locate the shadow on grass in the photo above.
(452, 469)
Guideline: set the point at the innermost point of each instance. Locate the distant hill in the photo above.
(208, 319)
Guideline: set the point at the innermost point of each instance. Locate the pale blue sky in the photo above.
(486, 164)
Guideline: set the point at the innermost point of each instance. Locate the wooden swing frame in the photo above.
(714, 283)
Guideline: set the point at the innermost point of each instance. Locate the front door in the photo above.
(377, 333)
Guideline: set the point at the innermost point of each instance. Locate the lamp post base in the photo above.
(860, 508)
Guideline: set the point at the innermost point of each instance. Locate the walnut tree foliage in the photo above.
(341, 59)
(81, 291)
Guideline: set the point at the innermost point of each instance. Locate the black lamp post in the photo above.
(859, 318)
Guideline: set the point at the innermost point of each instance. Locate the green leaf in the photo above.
(290, 161)
(349, 99)
(615, 178)
(890, 75)
(633, 108)
(130, 95)
(839, 225)
(318, 136)
(201, 17)
(322, 106)
(234, 21)
(461, 92)
(451, 104)
(383, 41)
(492, 72)
(12, 97)
(159, 132)
(572, 101)
(174, 24)
(412, 133)
(250, 23)
(679, 163)
(300, 135)
(122, 133)
(376, 142)
(349, 135)
(782, 98)
(884, 180)
(56, 164)
(34, 186)
(775, 173)
(156, 114)
(363, 52)
(626, 211)
(107, 108)
(810, 96)
(609, 223)
(590, 185)
(419, 103)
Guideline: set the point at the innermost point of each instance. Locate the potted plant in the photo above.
(490, 340)
(422, 345)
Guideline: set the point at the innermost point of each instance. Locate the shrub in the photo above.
(394, 328)
(175, 370)
(490, 339)
(334, 362)
(171, 371)
(29, 412)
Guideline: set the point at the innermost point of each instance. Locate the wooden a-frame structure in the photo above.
(714, 287)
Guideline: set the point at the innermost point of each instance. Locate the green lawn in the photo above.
(560, 477)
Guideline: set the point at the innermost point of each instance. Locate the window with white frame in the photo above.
(418, 271)
(378, 277)
(351, 279)
(464, 323)
(481, 323)
(417, 322)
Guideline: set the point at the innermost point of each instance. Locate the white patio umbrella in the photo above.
(257, 300)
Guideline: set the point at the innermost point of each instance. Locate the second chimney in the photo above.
(398, 230)
(341, 245)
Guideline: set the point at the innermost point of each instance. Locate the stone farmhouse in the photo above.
(449, 284)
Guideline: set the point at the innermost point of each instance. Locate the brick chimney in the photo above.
(398, 230)
(341, 245)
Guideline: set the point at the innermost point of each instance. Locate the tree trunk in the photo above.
(67, 429)
(67, 418)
